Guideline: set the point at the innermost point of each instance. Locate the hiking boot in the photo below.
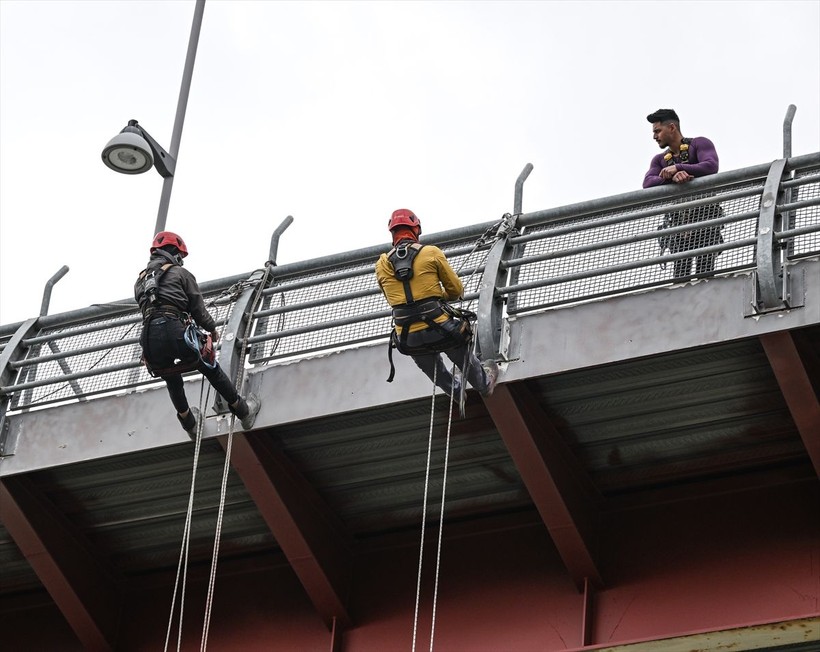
(191, 422)
(246, 410)
(491, 371)
(253, 404)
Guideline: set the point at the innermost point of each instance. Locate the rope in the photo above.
(441, 513)
(424, 509)
(497, 230)
(217, 538)
(182, 565)
(441, 519)
(224, 487)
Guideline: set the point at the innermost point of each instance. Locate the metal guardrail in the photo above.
(532, 261)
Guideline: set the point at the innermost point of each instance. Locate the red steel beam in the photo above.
(83, 591)
(544, 462)
(301, 523)
(796, 385)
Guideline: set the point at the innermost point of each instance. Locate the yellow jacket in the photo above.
(432, 278)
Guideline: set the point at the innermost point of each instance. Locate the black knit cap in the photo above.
(663, 115)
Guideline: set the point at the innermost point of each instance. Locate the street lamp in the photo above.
(133, 151)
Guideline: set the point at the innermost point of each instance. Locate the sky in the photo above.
(339, 112)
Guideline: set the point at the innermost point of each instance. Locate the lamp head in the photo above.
(128, 152)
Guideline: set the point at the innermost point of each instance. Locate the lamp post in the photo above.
(134, 151)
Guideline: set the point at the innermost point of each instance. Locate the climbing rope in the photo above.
(217, 538)
(441, 513)
(498, 230)
(441, 519)
(182, 564)
(240, 382)
(232, 294)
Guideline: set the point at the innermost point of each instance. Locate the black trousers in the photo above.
(703, 264)
(163, 345)
(694, 239)
(432, 364)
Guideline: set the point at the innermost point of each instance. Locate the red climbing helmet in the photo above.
(404, 217)
(168, 238)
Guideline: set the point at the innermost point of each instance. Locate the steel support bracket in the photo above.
(234, 336)
(491, 324)
(793, 291)
(12, 352)
(9, 434)
(769, 284)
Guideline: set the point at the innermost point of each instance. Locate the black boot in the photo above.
(189, 423)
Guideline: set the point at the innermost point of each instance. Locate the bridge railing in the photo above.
(609, 251)
(523, 263)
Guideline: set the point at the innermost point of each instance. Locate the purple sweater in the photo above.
(703, 160)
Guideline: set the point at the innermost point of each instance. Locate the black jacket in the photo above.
(177, 288)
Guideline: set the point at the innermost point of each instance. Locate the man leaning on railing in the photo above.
(683, 160)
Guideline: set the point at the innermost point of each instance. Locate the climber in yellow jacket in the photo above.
(417, 282)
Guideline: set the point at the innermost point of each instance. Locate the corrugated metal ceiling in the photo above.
(678, 418)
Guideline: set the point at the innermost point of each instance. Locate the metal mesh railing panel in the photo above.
(316, 322)
(67, 341)
(71, 344)
(809, 243)
(354, 311)
(634, 240)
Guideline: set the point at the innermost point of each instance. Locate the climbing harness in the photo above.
(198, 340)
(427, 311)
(195, 337)
(202, 342)
(149, 278)
(402, 257)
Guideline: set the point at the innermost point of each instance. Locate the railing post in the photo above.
(490, 304)
(791, 193)
(49, 287)
(518, 201)
(237, 331)
(769, 294)
(518, 250)
(787, 131)
(66, 368)
(234, 336)
(274, 239)
(31, 374)
(491, 322)
(262, 323)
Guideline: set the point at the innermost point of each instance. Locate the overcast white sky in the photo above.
(340, 112)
